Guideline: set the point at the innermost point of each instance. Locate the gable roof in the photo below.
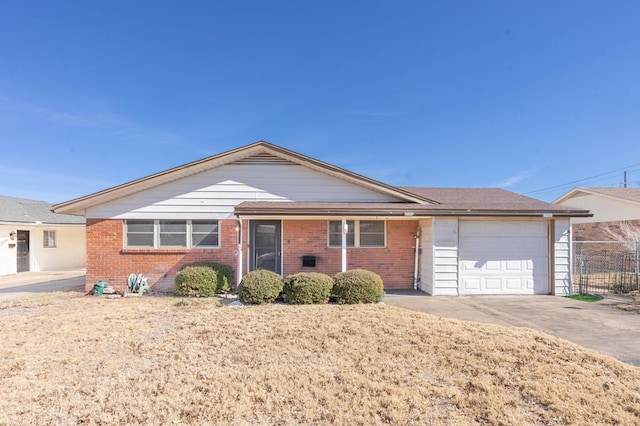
(450, 201)
(261, 150)
(21, 210)
(631, 195)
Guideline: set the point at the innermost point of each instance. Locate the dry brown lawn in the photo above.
(73, 359)
(634, 304)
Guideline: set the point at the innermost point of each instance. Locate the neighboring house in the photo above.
(263, 206)
(33, 238)
(616, 213)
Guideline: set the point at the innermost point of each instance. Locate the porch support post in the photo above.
(345, 229)
(239, 251)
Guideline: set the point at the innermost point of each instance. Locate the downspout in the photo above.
(345, 229)
(417, 258)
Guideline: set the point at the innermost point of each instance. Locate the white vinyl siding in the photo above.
(426, 258)
(562, 257)
(445, 256)
(214, 193)
(171, 233)
(361, 233)
(604, 209)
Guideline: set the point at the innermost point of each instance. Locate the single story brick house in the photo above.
(264, 206)
(33, 238)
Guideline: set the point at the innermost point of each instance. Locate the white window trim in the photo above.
(156, 235)
(356, 232)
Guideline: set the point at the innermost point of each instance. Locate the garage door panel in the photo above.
(503, 257)
(493, 284)
(472, 284)
(515, 265)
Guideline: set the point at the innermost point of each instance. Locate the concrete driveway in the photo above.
(29, 283)
(597, 325)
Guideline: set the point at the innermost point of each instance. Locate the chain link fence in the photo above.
(605, 266)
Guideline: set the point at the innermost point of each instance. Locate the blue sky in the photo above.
(523, 95)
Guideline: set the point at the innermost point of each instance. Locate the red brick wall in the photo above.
(108, 260)
(394, 263)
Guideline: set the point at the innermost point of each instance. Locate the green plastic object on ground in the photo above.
(98, 288)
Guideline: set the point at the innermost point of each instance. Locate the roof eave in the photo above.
(78, 206)
(336, 211)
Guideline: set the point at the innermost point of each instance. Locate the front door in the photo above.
(265, 245)
(23, 251)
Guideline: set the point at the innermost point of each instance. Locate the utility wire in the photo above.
(549, 188)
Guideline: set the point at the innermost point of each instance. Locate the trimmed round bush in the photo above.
(358, 286)
(203, 279)
(260, 286)
(199, 281)
(308, 287)
(224, 273)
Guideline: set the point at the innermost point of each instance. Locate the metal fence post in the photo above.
(637, 268)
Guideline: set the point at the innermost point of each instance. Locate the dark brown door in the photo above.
(23, 251)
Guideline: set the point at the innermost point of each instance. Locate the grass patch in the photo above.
(585, 297)
(90, 360)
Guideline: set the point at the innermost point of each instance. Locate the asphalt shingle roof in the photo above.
(631, 194)
(31, 211)
(460, 200)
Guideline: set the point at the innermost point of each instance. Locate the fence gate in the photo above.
(605, 266)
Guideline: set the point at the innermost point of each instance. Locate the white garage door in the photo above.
(503, 257)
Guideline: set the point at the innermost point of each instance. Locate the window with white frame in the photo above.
(49, 239)
(163, 233)
(360, 233)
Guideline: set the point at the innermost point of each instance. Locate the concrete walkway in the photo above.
(597, 325)
(29, 283)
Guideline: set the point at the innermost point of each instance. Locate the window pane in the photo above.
(372, 233)
(335, 233)
(173, 226)
(49, 238)
(139, 233)
(173, 233)
(204, 226)
(140, 240)
(372, 240)
(140, 226)
(200, 240)
(204, 233)
(372, 226)
(167, 239)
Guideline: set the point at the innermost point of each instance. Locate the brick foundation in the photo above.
(108, 260)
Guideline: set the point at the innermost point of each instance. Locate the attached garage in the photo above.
(503, 257)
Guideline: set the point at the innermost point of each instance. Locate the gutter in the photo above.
(404, 212)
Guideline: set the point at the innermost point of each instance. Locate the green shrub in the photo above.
(308, 287)
(199, 281)
(358, 286)
(260, 286)
(224, 274)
